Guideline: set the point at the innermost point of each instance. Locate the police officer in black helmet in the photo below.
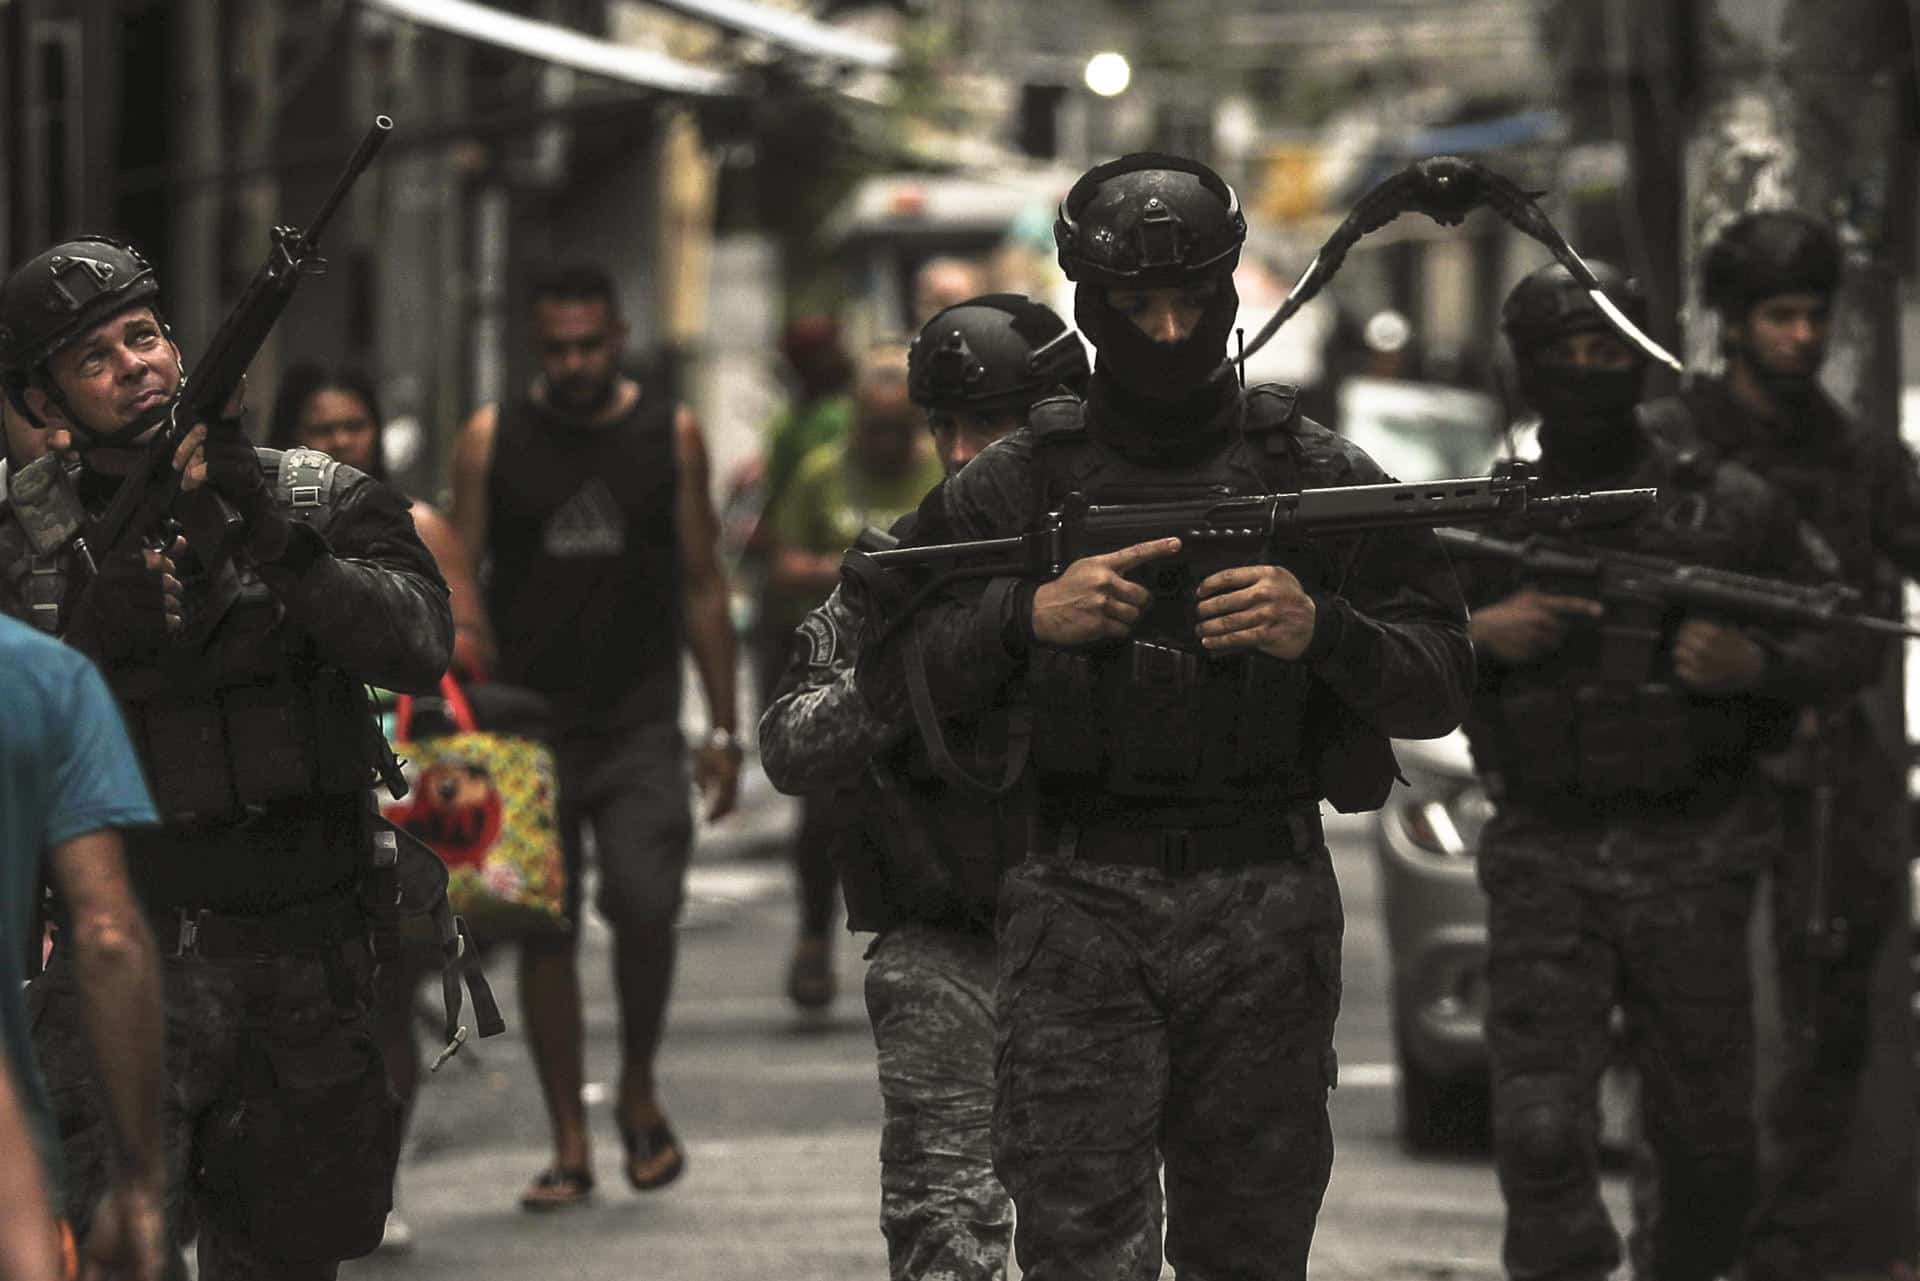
(1629, 823)
(1169, 949)
(1772, 276)
(923, 871)
(242, 685)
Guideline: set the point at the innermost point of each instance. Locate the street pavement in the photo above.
(781, 1116)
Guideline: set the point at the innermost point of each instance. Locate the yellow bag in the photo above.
(488, 804)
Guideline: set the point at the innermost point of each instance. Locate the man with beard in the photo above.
(589, 498)
(240, 674)
(1169, 952)
(1630, 825)
(923, 870)
(1771, 276)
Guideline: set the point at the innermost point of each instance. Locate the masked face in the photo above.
(1163, 342)
(1584, 386)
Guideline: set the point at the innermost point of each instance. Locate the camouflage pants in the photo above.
(1144, 1019)
(281, 1131)
(1561, 959)
(930, 998)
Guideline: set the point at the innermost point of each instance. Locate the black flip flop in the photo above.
(555, 1188)
(646, 1144)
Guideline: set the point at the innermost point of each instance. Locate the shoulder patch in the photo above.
(306, 480)
(819, 639)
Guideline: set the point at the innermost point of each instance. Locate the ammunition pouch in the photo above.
(222, 753)
(927, 852)
(1640, 740)
(418, 880)
(1147, 719)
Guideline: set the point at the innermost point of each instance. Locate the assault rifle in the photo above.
(151, 492)
(1214, 533)
(1612, 577)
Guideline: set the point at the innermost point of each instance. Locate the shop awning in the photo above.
(793, 31)
(562, 46)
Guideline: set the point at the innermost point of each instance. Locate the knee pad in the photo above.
(1540, 1142)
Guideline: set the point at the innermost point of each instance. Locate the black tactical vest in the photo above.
(1154, 723)
(237, 714)
(1603, 717)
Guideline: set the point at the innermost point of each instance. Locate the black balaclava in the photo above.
(1157, 370)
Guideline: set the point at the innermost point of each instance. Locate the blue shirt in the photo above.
(66, 769)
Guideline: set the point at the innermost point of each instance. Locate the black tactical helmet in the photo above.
(1148, 220)
(993, 353)
(54, 298)
(1773, 251)
(1550, 304)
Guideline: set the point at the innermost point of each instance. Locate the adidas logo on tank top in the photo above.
(588, 524)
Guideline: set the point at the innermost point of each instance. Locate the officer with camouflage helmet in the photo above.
(922, 871)
(1168, 953)
(1630, 825)
(242, 685)
(1771, 276)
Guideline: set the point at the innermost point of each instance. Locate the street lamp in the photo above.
(1108, 74)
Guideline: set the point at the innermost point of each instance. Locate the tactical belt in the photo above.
(307, 927)
(1184, 851)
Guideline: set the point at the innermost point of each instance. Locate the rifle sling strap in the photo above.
(934, 739)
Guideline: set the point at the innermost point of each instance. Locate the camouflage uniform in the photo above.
(1182, 1012)
(929, 986)
(282, 1132)
(1620, 868)
(1862, 492)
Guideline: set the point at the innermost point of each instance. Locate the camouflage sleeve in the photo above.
(370, 595)
(819, 730)
(1390, 638)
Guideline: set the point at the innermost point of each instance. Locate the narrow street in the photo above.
(782, 1118)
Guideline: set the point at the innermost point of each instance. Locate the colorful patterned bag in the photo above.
(487, 803)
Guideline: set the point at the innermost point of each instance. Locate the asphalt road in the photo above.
(782, 1118)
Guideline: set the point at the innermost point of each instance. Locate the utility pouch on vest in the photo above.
(211, 756)
(1353, 763)
(1156, 723)
(1635, 740)
(183, 745)
(1538, 743)
(1060, 690)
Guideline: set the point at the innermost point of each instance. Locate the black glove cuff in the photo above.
(285, 544)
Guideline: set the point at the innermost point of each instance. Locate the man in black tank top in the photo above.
(588, 499)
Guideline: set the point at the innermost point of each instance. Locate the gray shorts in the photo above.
(631, 789)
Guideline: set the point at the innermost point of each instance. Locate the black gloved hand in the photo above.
(135, 604)
(233, 469)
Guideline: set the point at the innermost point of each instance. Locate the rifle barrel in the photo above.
(363, 155)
